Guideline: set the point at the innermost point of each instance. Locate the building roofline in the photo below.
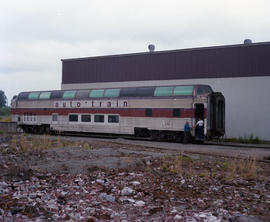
(169, 51)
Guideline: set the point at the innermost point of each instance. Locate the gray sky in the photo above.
(35, 34)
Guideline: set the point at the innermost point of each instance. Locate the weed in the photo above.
(13, 144)
(59, 142)
(47, 143)
(245, 140)
(23, 143)
(87, 146)
(173, 165)
(237, 167)
(5, 119)
(225, 166)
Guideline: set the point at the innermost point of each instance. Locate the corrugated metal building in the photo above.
(241, 72)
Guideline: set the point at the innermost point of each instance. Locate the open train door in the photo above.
(216, 115)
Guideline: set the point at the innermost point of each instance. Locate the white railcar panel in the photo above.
(161, 103)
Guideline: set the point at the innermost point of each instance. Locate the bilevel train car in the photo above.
(160, 112)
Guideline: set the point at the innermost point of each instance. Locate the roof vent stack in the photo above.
(247, 41)
(151, 47)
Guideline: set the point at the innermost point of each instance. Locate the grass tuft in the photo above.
(245, 140)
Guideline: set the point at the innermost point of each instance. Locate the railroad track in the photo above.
(261, 153)
(206, 143)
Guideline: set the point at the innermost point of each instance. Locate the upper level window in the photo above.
(111, 93)
(163, 91)
(82, 94)
(128, 92)
(96, 93)
(33, 95)
(45, 95)
(73, 118)
(69, 94)
(56, 94)
(183, 91)
(203, 90)
(145, 91)
(23, 96)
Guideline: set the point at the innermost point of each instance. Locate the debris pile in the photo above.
(163, 189)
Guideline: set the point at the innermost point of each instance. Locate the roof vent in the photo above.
(247, 41)
(151, 47)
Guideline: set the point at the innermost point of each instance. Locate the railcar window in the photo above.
(148, 112)
(69, 94)
(163, 91)
(96, 93)
(45, 95)
(56, 94)
(183, 90)
(113, 118)
(23, 96)
(204, 89)
(54, 117)
(128, 92)
(111, 93)
(99, 119)
(208, 89)
(73, 118)
(145, 91)
(86, 118)
(200, 91)
(33, 95)
(82, 94)
(176, 112)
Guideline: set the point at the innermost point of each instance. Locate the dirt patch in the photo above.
(63, 156)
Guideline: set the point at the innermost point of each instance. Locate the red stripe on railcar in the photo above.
(139, 112)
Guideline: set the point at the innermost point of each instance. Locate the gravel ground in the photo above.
(44, 179)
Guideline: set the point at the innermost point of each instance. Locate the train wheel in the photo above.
(155, 135)
(179, 137)
(47, 130)
(19, 129)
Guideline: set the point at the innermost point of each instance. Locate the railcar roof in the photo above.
(194, 85)
(125, 92)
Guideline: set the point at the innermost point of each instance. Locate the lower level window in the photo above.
(54, 117)
(99, 118)
(176, 112)
(113, 118)
(148, 112)
(73, 118)
(86, 118)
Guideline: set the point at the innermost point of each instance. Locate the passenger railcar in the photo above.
(160, 112)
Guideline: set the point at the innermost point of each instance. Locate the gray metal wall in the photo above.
(247, 101)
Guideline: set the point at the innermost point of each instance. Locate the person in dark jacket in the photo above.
(186, 132)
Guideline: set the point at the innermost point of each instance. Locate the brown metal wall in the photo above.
(212, 62)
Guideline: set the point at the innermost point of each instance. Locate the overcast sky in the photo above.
(35, 34)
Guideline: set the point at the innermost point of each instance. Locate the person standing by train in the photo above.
(186, 132)
(199, 126)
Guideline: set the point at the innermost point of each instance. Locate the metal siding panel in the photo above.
(215, 62)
